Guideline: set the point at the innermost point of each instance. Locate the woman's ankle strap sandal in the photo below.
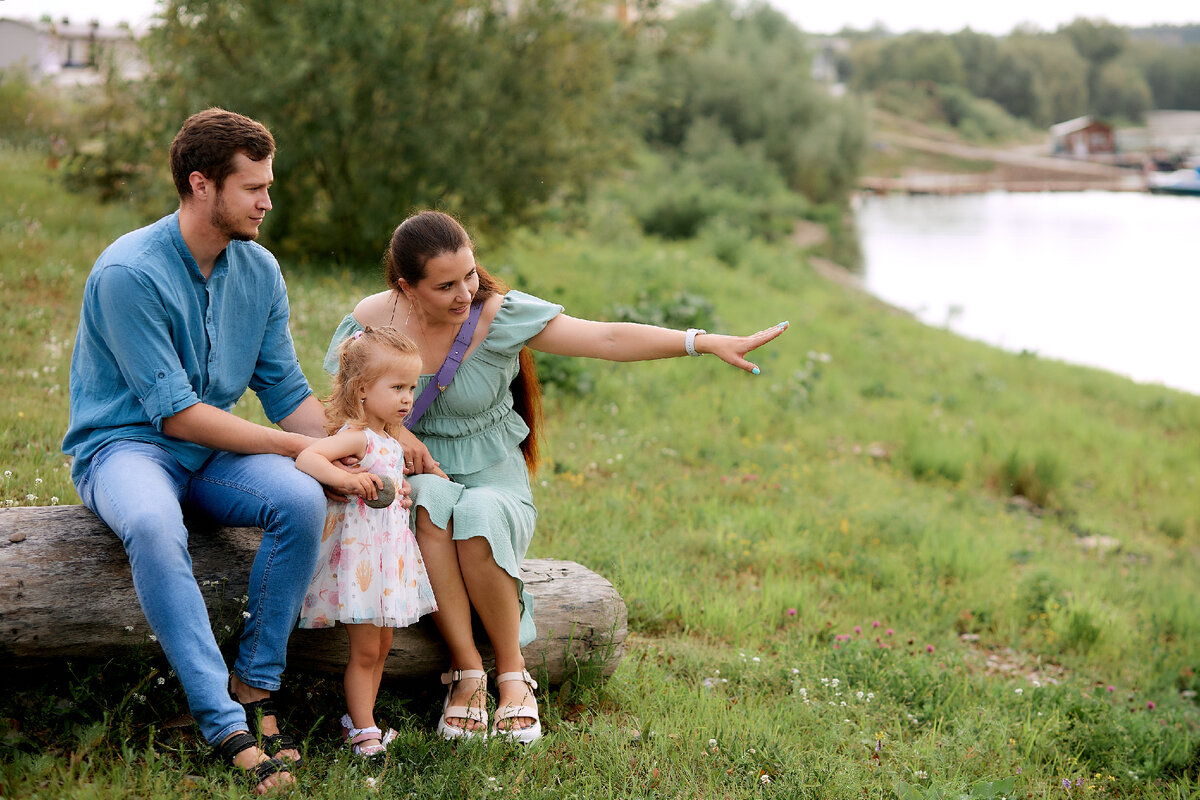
(511, 713)
(473, 713)
(254, 776)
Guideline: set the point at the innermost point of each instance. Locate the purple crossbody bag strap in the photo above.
(445, 373)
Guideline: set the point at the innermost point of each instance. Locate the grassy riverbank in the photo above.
(833, 591)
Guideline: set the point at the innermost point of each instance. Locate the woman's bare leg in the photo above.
(453, 617)
(494, 593)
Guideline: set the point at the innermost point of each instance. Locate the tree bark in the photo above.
(66, 594)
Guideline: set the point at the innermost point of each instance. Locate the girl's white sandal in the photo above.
(474, 713)
(522, 735)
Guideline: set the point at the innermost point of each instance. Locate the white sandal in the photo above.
(356, 737)
(523, 735)
(448, 731)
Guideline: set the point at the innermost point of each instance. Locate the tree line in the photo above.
(502, 112)
(1089, 66)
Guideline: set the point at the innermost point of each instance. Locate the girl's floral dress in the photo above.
(370, 569)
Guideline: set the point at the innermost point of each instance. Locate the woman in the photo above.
(474, 528)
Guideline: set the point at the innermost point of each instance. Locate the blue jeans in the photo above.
(141, 492)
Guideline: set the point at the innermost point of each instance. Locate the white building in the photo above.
(68, 54)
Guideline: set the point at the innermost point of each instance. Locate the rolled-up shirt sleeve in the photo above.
(136, 329)
(278, 379)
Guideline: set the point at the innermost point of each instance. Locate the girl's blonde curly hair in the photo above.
(362, 358)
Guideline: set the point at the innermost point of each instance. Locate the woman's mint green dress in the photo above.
(472, 430)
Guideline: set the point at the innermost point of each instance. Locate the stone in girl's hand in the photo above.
(386, 494)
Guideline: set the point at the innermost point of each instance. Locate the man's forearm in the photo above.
(210, 426)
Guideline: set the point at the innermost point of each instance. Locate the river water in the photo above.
(1106, 279)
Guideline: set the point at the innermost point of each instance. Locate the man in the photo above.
(179, 318)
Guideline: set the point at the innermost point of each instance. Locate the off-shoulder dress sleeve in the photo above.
(348, 327)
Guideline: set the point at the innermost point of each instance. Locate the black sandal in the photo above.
(272, 743)
(254, 776)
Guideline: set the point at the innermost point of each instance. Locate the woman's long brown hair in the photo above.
(430, 234)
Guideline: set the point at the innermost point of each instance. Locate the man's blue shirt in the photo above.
(155, 338)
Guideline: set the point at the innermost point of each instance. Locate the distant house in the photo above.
(1083, 137)
(68, 54)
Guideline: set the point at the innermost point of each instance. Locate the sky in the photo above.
(815, 16)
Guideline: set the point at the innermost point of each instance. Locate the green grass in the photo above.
(757, 527)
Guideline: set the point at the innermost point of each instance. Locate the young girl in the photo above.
(370, 574)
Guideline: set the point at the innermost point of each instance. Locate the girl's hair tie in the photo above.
(356, 335)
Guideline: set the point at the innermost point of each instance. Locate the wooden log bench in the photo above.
(66, 594)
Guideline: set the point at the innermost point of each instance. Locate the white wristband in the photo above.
(689, 341)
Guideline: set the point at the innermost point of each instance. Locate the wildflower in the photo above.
(1111, 688)
(1066, 782)
(795, 671)
(921, 774)
(37, 481)
(29, 498)
(1019, 690)
(245, 615)
(857, 630)
(889, 631)
(53, 500)
(8, 473)
(756, 659)
(371, 784)
(859, 694)
(1150, 705)
(791, 612)
(128, 628)
(161, 681)
(712, 743)
(875, 624)
(153, 638)
(765, 778)
(928, 648)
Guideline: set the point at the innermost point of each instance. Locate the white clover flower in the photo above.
(765, 778)
(8, 473)
(30, 498)
(53, 500)
(37, 481)
(922, 774)
(1019, 690)
(859, 695)
(128, 628)
(153, 638)
(245, 615)
(161, 681)
(371, 783)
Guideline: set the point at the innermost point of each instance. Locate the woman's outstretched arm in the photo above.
(630, 341)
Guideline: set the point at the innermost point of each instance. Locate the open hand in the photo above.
(733, 349)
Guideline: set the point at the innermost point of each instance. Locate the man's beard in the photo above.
(227, 226)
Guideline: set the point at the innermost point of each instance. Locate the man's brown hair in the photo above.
(208, 142)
